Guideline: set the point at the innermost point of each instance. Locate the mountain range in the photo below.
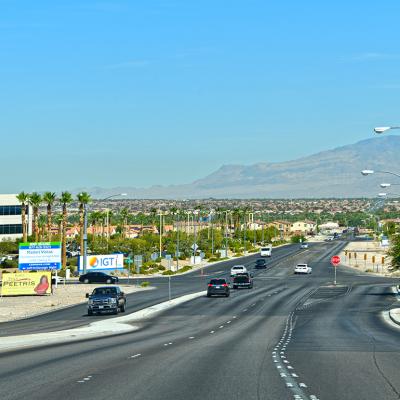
(331, 173)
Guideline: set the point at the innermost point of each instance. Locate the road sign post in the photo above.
(335, 261)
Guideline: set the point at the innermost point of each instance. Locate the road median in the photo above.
(106, 327)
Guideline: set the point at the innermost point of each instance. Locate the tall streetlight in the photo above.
(387, 185)
(367, 172)
(382, 129)
(85, 229)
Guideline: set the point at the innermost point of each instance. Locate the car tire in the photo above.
(208, 295)
(108, 281)
(90, 313)
(227, 294)
(86, 281)
(234, 286)
(116, 312)
(123, 307)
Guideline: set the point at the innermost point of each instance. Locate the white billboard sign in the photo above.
(39, 256)
(102, 262)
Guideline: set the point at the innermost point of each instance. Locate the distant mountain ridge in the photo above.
(331, 173)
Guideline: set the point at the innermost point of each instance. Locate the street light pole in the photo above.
(382, 129)
(84, 238)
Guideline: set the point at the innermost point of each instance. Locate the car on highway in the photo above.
(329, 239)
(266, 251)
(302, 269)
(98, 277)
(242, 281)
(304, 246)
(218, 286)
(238, 269)
(260, 264)
(106, 299)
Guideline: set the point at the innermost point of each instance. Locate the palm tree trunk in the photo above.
(49, 225)
(35, 223)
(23, 216)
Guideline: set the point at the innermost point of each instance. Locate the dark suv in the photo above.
(98, 277)
(218, 287)
(106, 299)
(261, 264)
(242, 280)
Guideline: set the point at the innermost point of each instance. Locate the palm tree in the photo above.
(35, 200)
(23, 198)
(124, 214)
(49, 198)
(41, 221)
(65, 199)
(84, 199)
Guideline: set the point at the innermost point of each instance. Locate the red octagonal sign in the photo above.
(335, 261)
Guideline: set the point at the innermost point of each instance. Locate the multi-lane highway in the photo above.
(291, 337)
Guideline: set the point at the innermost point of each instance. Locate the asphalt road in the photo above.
(291, 337)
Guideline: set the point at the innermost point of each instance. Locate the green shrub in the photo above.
(145, 284)
(186, 268)
(168, 272)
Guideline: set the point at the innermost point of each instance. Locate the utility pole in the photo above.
(177, 243)
(160, 232)
(84, 238)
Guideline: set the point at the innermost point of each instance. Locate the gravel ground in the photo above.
(12, 308)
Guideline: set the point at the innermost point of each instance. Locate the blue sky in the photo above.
(136, 93)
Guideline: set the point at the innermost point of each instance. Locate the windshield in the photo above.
(104, 291)
(217, 281)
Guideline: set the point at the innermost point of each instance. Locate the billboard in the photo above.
(102, 262)
(23, 283)
(39, 256)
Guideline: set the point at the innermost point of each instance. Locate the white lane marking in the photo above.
(283, 375)
(80, 381)
(136, 355)
(228, 322)
(302, 385)
(234, 317)
(288, 384)
(212, 331)
(191, 337)
(295, 375)
(86, 379)
(221, 327)
(245, 310)
(165, 344)
(170, 343)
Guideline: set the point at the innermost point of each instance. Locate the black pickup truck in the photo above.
(106, 299)
(242, 280)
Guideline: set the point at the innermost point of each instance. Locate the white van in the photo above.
(266, 251)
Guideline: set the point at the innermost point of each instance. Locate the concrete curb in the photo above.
(107, 327)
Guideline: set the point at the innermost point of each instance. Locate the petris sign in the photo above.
(102, 262)
(25, 283)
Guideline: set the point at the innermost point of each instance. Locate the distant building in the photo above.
(303, 228)
(11, 219)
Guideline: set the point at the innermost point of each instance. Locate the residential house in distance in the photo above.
(303, 228)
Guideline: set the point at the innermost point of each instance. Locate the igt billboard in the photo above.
(102, 262)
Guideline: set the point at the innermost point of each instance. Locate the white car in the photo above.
(302, 269)
(238, 269)
(304, 246)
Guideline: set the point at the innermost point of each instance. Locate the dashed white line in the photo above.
(212, 331)
(191, 337)
(136, 355)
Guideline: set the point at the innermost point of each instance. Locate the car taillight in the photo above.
(209, 285)
(225, 284)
